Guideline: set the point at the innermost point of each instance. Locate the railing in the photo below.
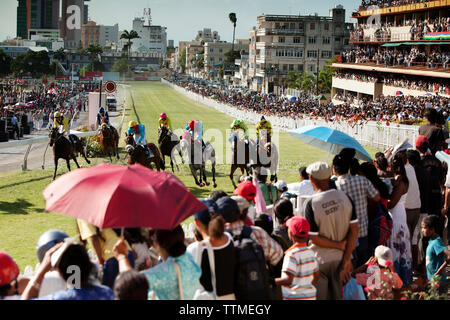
(357, 38)
(364, 12)
(269, 32)
(370, 133)
(31, 141)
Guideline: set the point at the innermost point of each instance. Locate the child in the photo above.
(437, 255)
(300, 268)
(379, 277)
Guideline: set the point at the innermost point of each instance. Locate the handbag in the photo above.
(201, 293)
(180, 285)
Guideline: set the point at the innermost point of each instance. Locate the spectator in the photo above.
(333, 232)
(12, 284)
(131, 285)
(163, 278)
(247, 190)
(65, 257)
(304, 187)
(300, 269)
(283, 210)
(217, 194)
(212, 228)
(359, 189)
(268, 190)
(431, 131)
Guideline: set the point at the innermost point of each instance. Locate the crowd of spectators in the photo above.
(365, 4)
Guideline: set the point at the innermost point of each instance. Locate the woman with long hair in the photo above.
(399, 242)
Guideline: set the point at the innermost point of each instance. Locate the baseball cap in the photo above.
(281, 185)
(298, 226)
(421, 140)
(383, 254)
(319, 170)
(241, 202)
(204, 216)
(228, 209)
(246, 190)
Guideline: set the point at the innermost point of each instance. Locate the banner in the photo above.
(437, 36)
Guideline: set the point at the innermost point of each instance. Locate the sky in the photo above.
(184, 18)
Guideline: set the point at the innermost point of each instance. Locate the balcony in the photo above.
(362, 13)
(281, 32)
(393, 35)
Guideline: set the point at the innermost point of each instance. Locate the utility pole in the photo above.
(317, 75)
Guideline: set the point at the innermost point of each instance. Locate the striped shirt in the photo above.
(272, 250)
(359, 189)
(300, 262)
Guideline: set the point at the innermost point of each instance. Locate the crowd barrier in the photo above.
(379, 135)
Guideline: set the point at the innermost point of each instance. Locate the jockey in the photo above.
(263, 126)
(195, 127)
(60, 120)
(138, 131)
(164, 121)
(240, 124)
(102, 115)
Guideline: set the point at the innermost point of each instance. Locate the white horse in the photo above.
(197, 159)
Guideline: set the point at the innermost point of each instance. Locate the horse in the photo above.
(197, 158)
(169, 143)
(239, 148)
(65, 149)
(270, 163)
(109, 138)
(136, 154)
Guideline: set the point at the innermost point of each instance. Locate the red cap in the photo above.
(298, 226)
(8, 269)
(421, 140)
(246, 190)
(191, 124)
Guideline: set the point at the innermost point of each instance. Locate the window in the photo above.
(220, 59)
(326, 40)
(312, 40)
(211, 59)
(326, 27)
(298, 40)
(312, 26)
(337, 39)
(326, 54)
(300, 67)
(312, 54)
(291, 67)
(312, 68)
(221, 50)
(211, 50)
(281, 39)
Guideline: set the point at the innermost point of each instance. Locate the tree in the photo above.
(94, 52)
(55, 68)
(305, 82)
(5, 63)
(121, 66)
(292, 79)
(129, 36)
(169, 51)
(33, 63)
(182, 61)
(60, 55)
(96, 66)
(83, 71)
(150, 69)
(326, 76)
(233, 19)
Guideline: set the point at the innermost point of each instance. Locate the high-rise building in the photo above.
(36, 14)
(109, 35)
(72, 34)
(206, 35)
(283, 43)
(90, 34)
(152, 38)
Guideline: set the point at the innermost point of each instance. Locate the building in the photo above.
(170, 43)
(72, 34)
(152, 38)
(41, 41)
(36, 14)
(283, 43)
(90, 34)
(194, 57)
(137, 60)
(214, 57)
(109, 35)
(241, 77)
(15, 51)
(206, 35)
(49, 34)
(400, 51)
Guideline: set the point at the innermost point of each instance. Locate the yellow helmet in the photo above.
(132, 124)
(57, 114)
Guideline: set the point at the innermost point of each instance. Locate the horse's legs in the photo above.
(56, 168)
(194, 174)
(68, 163)
(213, 170)
(233, 169)
(203, 171)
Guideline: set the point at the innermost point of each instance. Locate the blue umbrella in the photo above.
(330, 140)
(293, 99)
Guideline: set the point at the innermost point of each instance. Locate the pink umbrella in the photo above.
(113, 196)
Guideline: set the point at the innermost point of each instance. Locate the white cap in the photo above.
(383, 254)
(319, 170)
(281, 184)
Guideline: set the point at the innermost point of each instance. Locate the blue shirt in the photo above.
(141, 133)
(89, 293)
(14, 121)
(198, 127)
(163, 279)
(435, 257)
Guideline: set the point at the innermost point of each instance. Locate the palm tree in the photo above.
(129, 36)
(233, 19)
(94, 52)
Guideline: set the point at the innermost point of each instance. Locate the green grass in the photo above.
(22, 207)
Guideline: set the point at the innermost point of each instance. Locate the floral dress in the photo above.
(400, 243)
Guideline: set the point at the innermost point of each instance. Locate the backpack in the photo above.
(251, 274)
(380, 227)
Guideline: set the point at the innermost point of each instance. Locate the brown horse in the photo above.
(65, 149)
(136, 154)
(168, 144)
(109, 138)
(240, 158)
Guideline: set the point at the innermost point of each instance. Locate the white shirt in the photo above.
(303, 188)
(413, 194)
(447, 180)
(52, 282)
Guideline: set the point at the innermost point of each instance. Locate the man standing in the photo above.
(359, 189)
(333, 232)
(431, 131)
(15, 125)
(304, 187)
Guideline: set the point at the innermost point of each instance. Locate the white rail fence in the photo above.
(31, 141)
(371, 133)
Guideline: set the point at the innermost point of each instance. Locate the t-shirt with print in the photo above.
(435, 257)
(299, 261)
(88, 293)
(329, 214)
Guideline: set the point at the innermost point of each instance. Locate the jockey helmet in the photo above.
(101, 110)
(47, 240)
(132, 124)
(263, 118)
(191, 124)
(235, 123)
(163, 115)
(57, 114)
(9, 268)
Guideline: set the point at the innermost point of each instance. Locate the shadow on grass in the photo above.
(23, 182)
(20, 206)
